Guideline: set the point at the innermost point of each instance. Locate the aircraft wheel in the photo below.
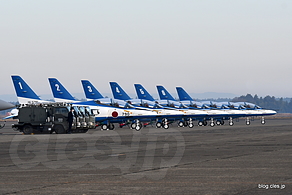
(180, 124)
(263, 122)
(138, 127)
(231, 123)
(212, 124)
(247, 122)
(104, 127)
(205, 123)
(133, 126)
(200, 123)
(2, 126)
(191, 125)
(27, 129)
(166, 126)
(218, 122)
(158, 125)
(222, 122)
(111, 126)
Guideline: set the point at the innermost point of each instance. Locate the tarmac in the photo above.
(239, 159)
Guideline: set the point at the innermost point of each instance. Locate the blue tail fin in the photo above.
(164, 94)
(183, 95)
(90, 91)
(143, 93)
(24, 93)
(59, 92)
(118, 92)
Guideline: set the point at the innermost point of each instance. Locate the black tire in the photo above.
(59, 129)
(133, 125)
(200, 123)
(158, 125)
(111, 126)
(104, 127)
(181, 124)
(138, 127)
(205, 123)
(27, 129)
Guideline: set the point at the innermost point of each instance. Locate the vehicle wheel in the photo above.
(180, 124)
(59, 129)
(27, 129)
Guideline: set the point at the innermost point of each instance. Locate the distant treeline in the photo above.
(281, 105)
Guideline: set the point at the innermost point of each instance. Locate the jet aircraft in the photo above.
(213, 114)
(184, 116)
(160, 120)
(5, 106)
(105, 114)
(248, 109)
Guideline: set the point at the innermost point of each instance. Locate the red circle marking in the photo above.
(115, 114)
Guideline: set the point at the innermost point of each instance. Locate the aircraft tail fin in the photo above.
(143, 93)
(23, 91)
(118, 92)
(163, 93)
(60, 93)
(183, 95)
(90, 91)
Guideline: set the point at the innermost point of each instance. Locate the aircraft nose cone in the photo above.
(273, 112)
(5, 105)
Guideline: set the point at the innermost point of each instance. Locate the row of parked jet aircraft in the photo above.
(145, 110)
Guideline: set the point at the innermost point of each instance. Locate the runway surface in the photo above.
(255, 159)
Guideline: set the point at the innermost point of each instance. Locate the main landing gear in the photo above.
(164, 124)
(137, 125)
(109, 126)
(188, 123)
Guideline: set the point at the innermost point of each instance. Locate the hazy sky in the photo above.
(230, 46)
